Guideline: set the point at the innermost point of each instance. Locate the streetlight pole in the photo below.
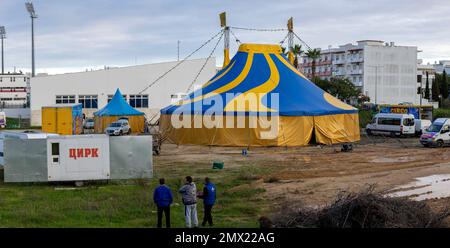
(30, 9)
(2, 37)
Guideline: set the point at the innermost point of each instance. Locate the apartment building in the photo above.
(385, 72)
(13, 90)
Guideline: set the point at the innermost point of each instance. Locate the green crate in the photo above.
(217, 165)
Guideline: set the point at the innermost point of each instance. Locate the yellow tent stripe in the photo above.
(290, 66)
(244, 101)
(220, 76)
(227, 87)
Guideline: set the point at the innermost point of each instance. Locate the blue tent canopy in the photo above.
(117, 106)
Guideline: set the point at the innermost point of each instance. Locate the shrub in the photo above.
(441, 113)
(365, 209)
(365, 116)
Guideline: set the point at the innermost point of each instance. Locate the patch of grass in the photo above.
(129, 203)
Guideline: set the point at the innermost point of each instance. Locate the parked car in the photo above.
(119, 127)
(421, 125)
(392, 124)
(438, 134)
(89, 124)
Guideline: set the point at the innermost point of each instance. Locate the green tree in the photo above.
(341, 88)
(435, 90)
(313, 54)
(444, 85)
(427, 87)
(297, 50)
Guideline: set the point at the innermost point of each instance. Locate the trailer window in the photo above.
(55, 153)
(55, 149)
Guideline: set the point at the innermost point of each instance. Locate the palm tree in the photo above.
(297, 50)
(313, 54)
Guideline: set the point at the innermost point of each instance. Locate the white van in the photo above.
(438, 134)
(392, 124)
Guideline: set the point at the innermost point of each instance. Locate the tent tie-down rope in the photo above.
(204, 64)
(306, 44)
(180, 62)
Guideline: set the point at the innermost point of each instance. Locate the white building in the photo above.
(13, 90)
(383, 71)
(424, 73)
(95, 88)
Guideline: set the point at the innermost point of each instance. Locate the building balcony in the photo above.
(355, 60)
(325, 62)
(353, 72)
(338, 62)
(339, 73)
(324, 74)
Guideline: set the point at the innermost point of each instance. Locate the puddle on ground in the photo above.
(423, 188)
(391, 160)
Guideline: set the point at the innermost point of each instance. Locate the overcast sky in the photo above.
(76, 35)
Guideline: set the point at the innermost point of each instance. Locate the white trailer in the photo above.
(77, 158)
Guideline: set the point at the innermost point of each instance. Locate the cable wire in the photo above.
(309, 48)
(281, 42)
(237, 40)
(204, 64)
(262, 29)
(180, 62)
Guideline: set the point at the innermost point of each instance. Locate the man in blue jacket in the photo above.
(162, 197)
(209, 199)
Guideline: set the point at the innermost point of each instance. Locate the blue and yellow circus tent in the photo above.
(260, 99)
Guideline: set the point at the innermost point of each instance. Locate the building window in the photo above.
(139, 101)
(88, 101)
(65, 99)
(111, 96)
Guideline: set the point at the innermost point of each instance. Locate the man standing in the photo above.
(163, 198)
(209, 198)
(189, 195)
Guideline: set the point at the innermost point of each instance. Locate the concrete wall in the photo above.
(23, 113)
(130, 80)
(395, 80)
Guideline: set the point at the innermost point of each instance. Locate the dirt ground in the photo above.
(314, 175)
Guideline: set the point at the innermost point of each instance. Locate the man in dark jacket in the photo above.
(209, 199)
(162, 197)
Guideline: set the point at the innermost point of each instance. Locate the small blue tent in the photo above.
(115, 109)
